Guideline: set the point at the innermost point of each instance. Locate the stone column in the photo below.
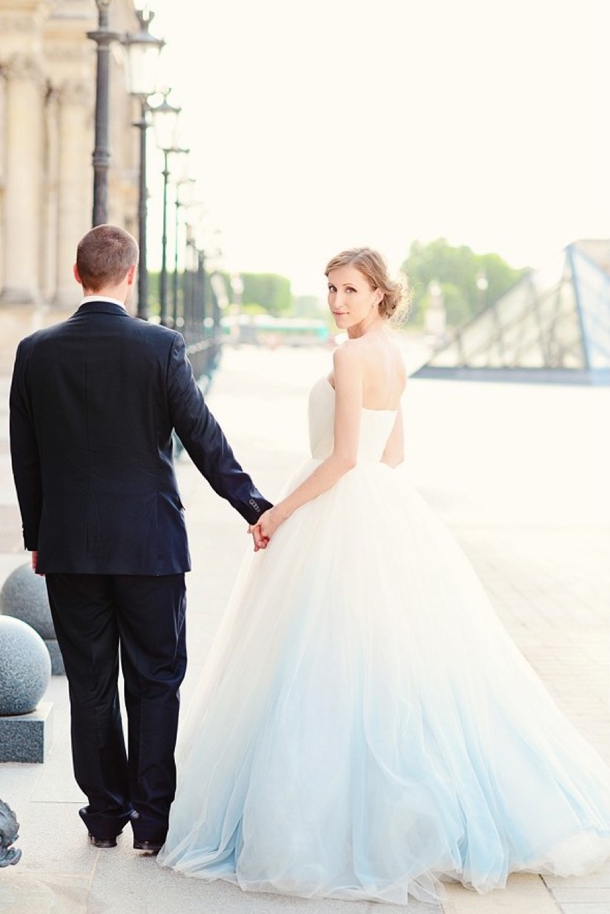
(48, 253)
(72, 215)
(24, 96)
(2, 174)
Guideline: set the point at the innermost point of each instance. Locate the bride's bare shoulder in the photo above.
(348, 358)
(348, 352)
(370, 357)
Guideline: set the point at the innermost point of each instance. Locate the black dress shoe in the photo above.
(102, 842)
(151, 847)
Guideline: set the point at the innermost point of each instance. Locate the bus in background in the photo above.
(266, 330)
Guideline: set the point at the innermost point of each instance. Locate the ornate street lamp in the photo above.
(165, 119)
(144, 50)
(103, 37)
(183, 199)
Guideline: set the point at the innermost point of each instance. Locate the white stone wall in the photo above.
(47, 108)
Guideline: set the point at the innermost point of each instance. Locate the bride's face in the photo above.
(351, 299)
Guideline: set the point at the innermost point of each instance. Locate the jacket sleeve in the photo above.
(24, 454)
(204, 440)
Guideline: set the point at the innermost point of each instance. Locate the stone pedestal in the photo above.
(26, 737)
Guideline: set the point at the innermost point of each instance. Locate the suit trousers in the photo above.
(140, 618)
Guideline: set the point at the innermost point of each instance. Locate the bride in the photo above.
(365, 727)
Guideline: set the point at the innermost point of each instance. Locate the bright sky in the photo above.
(324, 124)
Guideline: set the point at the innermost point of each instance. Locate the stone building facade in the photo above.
(47, 119)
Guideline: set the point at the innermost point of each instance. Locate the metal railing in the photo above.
(199, 317)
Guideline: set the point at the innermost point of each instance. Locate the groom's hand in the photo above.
(260, 541)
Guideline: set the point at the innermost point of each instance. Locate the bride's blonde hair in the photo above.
(394, 304)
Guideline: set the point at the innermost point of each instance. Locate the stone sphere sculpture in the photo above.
(25, 667)
(24, 596)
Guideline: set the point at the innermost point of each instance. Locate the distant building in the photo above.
(47, 105)
(554, 325)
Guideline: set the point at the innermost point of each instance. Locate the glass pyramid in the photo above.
(554, 325)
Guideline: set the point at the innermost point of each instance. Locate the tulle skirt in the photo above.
(365, 727)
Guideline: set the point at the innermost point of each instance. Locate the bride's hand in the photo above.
(268, 524)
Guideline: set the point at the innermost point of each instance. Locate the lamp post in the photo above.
(144, 50)
(237, 290)
(175, 278)
(165, 119)
(103, 37)
(200, 314)
(188, 184)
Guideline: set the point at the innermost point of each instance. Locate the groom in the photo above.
(93, 404)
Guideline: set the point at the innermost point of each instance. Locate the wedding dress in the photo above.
(365, 727)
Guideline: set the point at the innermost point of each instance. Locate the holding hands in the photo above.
(265, 528)
(259, 541)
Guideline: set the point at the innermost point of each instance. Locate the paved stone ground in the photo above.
(518, 472)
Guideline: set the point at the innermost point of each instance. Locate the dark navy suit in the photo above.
(93, 404)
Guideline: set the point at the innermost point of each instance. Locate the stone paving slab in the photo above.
(524, 894)
(596, 908)
(167, 892)
(24, 894)
(580, 894)
(599, 880)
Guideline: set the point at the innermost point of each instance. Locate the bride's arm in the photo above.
(348, 378)
(394, 452)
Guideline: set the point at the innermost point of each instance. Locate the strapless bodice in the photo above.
(375, 425)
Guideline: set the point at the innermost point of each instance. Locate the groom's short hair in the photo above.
(104, 255)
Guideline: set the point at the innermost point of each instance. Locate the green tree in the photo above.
(270, 291)
(460, 273)
(309, 306)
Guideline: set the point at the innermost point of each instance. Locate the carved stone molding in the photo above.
(11, 23)
(23, 67)
(52, 95)
(25, 16)
(68, 52)
(74, 92)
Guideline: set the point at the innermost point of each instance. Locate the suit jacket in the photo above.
(93, 404)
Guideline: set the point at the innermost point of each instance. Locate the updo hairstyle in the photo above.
(373, 267)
